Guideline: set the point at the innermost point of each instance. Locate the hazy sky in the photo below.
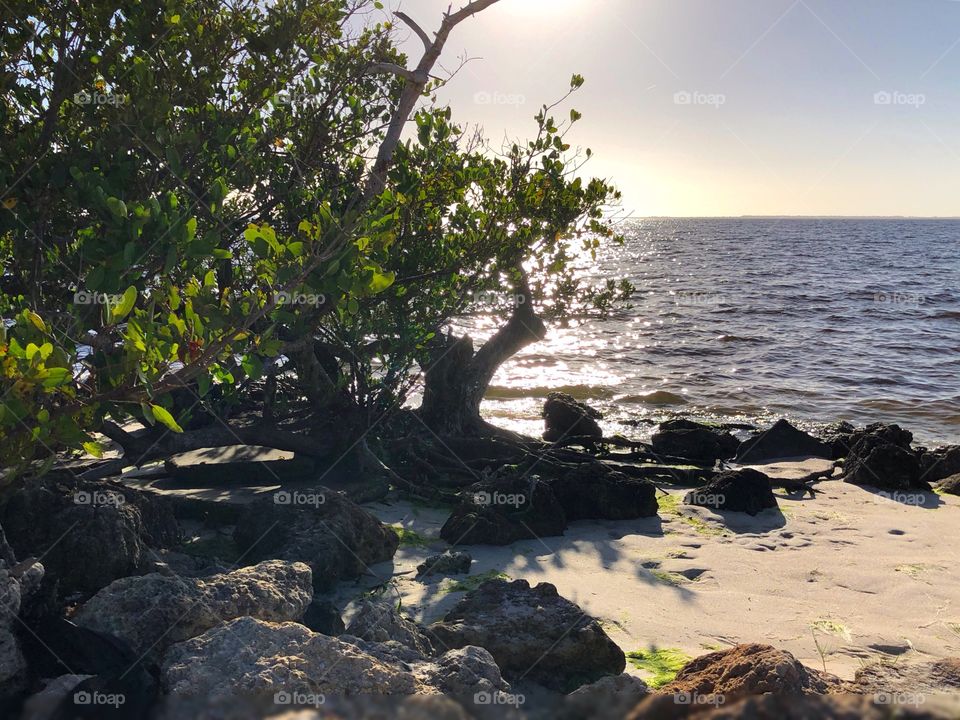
(730, 107)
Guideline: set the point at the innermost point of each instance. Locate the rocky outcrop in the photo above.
(881, 457)
(782, 440)
(151, 612)
(253, 660)
(839, 436)
(88, 533)
(18, 582)
(338, 539)
(693, 441)
(609, 698)
(745, 490)
(463, 673)
(595, 492)
(379, 621)
(937, 465)
(565, 417)
(446, 563)
(503, 510)
(752, 669)
(950, 485)
(533, 633)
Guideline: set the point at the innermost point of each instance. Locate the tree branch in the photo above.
(427, 42)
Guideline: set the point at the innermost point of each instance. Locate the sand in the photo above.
(865, 577)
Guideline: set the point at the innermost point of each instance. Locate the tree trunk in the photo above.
(457, 379)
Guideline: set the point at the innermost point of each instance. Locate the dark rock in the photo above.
(336, 538)
(565, 417)
(609, 698)
(950, 485)
(693, 441)
(465, 672)
(504, 510)
(379, 621)
(782, 440)
(743, 490)
(322, 616)
(936, 465)
(447, 563)
(929, 678)
(533, 633)
(750, 669)
(595, 492)
(881, 457)
(18, 582)
(88, 533)
(839, 436)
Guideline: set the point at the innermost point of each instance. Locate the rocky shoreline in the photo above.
(136, 597)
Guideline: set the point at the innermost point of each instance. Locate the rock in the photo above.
(950, 485)
(752, 669)
(152, 612)
(322, 616)
(565, 417)
(936, 465)
(88, 533)
(595, 492)
(338, 539)
(609, 698)
(446, 563)
(743, 490)
(787, 707)
(881, 457)
(531, 632)
(251, 661)
(839, 436)
(929, 678)
(18, 582)
(43, 705)
(782, 440)
(693, 441)
(503, 510)
(238, 465)
(379, 621)
(464, 672)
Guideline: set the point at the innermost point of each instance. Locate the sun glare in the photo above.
(546, 8)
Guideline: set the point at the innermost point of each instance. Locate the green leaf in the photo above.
(163, 416)
(94, 448)
(55, 377)
(123, 308)
(117, 207)
(381, 281)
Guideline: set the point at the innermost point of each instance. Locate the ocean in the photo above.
(750, 320)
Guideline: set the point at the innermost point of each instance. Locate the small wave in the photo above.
(946, 315)
(658, 397)
(738, 338)
(580, 392)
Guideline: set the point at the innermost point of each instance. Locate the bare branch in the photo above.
(427, 42)
(408, 75)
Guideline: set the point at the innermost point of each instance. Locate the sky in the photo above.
(728, 107)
